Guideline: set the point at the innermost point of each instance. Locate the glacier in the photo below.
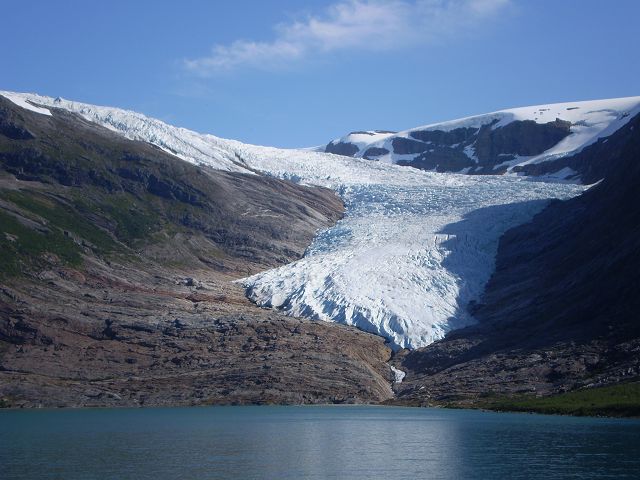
(413, 249)
(406, 259)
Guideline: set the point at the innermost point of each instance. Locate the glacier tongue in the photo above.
(412, 250)
(405, 260)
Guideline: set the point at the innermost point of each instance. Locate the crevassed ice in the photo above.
(412, 250)
(406, 260)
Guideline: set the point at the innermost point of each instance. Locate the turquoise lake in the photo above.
(359, 442)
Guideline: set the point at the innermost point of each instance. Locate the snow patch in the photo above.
(23, 102)
(398, 374)
(362, 139)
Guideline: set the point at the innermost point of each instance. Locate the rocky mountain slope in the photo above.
(539, 140)
(561, 309)
(116, 261)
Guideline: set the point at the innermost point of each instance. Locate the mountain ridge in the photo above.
(499, 142)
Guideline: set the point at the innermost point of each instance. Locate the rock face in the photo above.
(123, 336)
(561, 310)
(520, 138)
(484, 149)
(445, 151)
(116, 263)
(594, 163)
(373, 152)
(342, 148)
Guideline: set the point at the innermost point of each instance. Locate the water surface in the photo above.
(312, 442)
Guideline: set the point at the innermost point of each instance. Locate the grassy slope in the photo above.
(622, 400)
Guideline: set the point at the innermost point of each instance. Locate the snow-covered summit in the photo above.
(357, 141)
(412, 250)
(497, 142)
(188, 145)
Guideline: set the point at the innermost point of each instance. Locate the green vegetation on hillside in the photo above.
(132, 220)
(23, 247)
(64, 228)
(622, 400)
(62, 216)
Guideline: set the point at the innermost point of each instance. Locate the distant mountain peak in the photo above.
(505, 141)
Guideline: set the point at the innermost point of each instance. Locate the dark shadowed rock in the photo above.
(374, 152)
(482, 150)
(441, 160)
(441, 137)
(594, 162)
(342, 148)
(523, 137)
(404, 146)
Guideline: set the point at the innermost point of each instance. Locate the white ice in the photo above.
(398, 374)
(363, 139)
(186, 144)
(409, 254)
(21, 101)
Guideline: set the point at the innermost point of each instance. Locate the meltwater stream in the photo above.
(341, 442)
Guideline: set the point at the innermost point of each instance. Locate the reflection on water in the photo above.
(313, 442)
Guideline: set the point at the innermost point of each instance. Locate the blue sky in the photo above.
(300, 73)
